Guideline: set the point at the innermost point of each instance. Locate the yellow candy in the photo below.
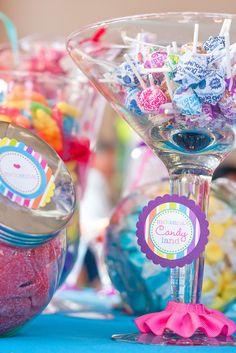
(216, 230)
(228, 277)
(213, 252)
(41, 120)
(5, 118)
(17, 104)
(218, 303)
(68, 109)
(229, 292)
(28, 96)
(208, 285)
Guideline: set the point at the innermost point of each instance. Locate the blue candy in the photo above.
(187, 101)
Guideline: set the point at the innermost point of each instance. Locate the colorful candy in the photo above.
(191, 77)
(212, 88)
(29, 277)
(187, 101)
(56, 122)
(131, 102)
(151, 99)
(125, 75)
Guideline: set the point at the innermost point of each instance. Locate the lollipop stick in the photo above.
(151, 80)
(139, 43)
(228, 60)
(175, 48)
(153, 70)
(135, 71)
(168, 85)
(127, 39)
(195, 38)
(225, 27)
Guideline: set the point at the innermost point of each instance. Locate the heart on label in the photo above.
(17, 166)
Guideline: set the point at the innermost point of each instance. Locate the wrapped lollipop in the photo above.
(151, 98)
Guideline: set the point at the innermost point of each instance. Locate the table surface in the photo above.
(85, 323)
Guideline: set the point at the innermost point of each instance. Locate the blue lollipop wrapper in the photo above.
(187, 101)
(191, 69)
(131, 102)
(213, 43)
(211, 89)
(126, 76)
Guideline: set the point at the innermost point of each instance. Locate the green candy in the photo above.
(35, 106)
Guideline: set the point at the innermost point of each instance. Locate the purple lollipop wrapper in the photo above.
(207, 111)
(158, 59)
(187, 101)
(227, 105)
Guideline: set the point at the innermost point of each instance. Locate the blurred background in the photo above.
(64, 16)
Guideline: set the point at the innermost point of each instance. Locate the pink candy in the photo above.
(28, 279)
(150, 99)
(158, 59)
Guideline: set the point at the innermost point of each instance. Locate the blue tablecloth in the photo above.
(87, 328)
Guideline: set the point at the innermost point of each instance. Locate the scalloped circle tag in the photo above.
(172, 231)
(25, 177)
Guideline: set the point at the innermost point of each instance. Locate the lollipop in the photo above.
(131, 102)
(126, 75)
(187, 101)
(212, 88)
(151, 98)
(191, 69)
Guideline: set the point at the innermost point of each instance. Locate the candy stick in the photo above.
(107, 80)
(168, 85)
(228, 60)
(225, 27)
(153, 70)
(139, 43)
(107, 65)
(127, 39)
(229, 21)
(195, 38)
(135, 71)
(139, 48)
(151, 81)
(175, 48)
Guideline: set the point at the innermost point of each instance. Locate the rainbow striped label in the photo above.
(172, 230)
(25, 178)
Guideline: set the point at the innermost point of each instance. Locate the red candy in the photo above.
(28, 279)
(150, 99)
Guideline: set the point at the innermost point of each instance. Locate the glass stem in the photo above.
(186, 282)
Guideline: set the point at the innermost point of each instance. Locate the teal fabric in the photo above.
(60, 333)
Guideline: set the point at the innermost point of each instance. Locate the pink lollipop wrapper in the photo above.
(150, 99)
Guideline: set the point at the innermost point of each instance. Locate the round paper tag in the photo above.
(25, 177)
(172, 231)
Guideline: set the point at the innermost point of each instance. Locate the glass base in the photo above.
(169, 338)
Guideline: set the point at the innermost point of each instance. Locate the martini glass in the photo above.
(191, 146)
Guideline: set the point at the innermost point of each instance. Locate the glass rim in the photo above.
(102, 23)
